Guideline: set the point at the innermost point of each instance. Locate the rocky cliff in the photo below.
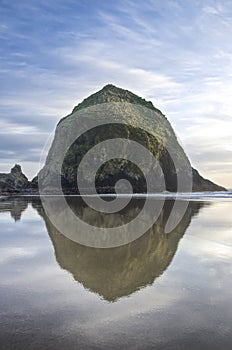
(129, 113)
(13, 182)
(113, 113)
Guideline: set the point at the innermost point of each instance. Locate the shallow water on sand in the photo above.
(161, 291)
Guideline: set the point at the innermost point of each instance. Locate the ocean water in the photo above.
(161, 291)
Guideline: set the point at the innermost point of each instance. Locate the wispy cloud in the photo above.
(175, 53)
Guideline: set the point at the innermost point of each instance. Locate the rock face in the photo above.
(139, 112)
(15, 181)
(134, 119)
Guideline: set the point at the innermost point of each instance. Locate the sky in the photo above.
(176, 53)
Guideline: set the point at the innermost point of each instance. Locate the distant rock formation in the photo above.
(13, 182)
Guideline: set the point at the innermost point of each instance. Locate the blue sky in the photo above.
(176, 53)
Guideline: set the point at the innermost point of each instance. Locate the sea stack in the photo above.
(13, 182)
(126, 106)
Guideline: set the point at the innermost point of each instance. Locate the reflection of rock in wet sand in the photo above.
(15, 206)
(117, 272)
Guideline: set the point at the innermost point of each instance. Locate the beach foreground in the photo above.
(160, 291)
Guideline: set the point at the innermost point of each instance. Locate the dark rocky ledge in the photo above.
(16, 182)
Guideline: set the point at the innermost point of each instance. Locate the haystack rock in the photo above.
(134, 111)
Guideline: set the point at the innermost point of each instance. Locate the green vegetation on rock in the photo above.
(134, 119)
(129, 108)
